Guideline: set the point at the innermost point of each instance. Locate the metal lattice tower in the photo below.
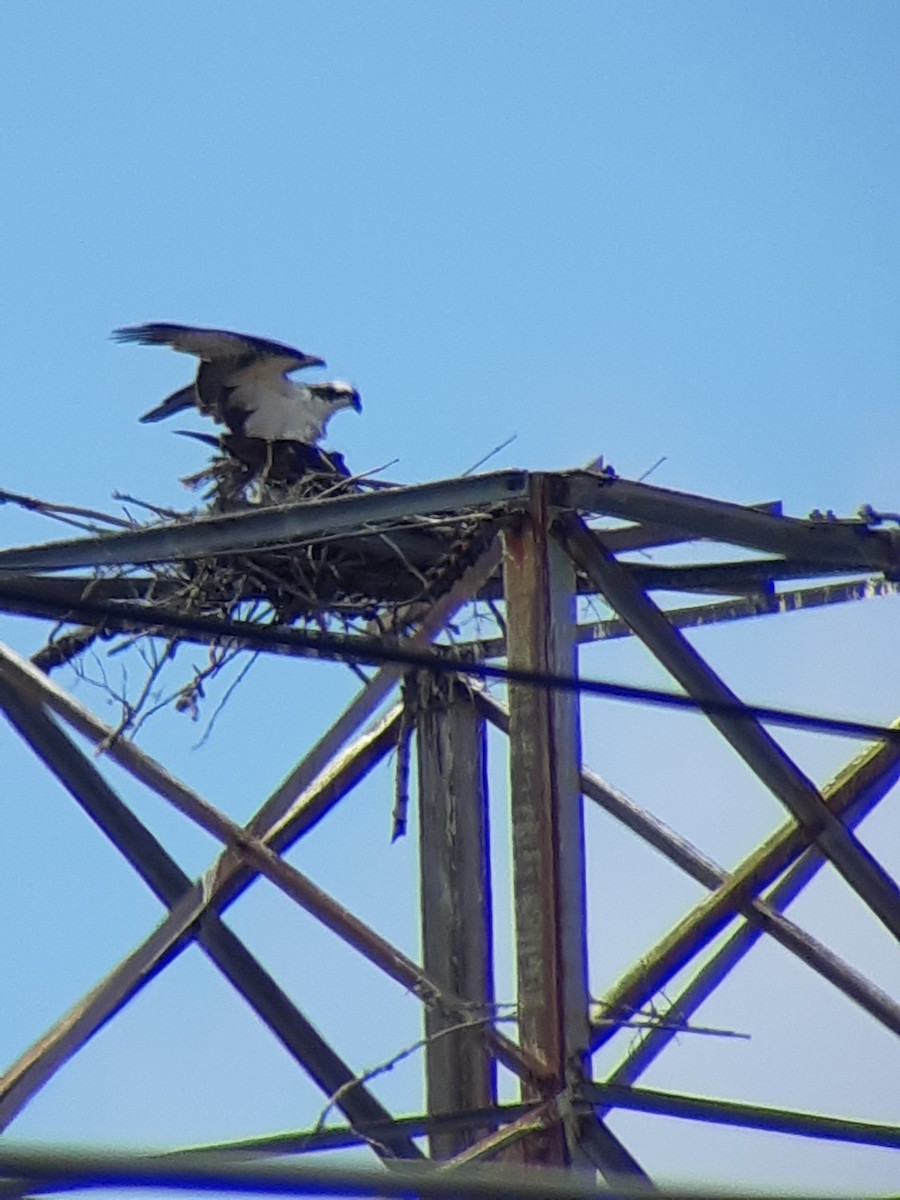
(536, 553)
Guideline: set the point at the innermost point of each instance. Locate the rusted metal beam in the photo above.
(763, 604)
(713, 972)
(722, 578)
(164, 877)
(647, 534)
(259, 854)
(696, 616)
(744, 733)
(849, 544)
(764, 915)
(863, 783)
(547, 817)
(294, 806)
(455, 897)
(172, 935)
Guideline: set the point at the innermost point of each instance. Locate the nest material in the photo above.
(365, 582)
(345, 578)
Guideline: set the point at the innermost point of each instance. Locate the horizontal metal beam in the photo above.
(695, 616)
(726, 578)
(648, 534)
(849, 544)
(339, 1137)
(744, 1116)
(282, 525)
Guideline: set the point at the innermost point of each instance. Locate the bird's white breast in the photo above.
(281, 410)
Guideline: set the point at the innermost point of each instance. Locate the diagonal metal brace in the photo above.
(744, 733)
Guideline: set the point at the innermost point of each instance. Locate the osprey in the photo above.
(242, 382)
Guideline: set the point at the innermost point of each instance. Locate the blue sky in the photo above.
(641, 230)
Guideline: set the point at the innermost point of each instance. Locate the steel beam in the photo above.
(259, 855)
(743, 732)
(849, 544)
(29, 1073)
(716, 969)
(859, 787)
(455, 891)
(744, 1116)
(547, 817)
(283, 525)
(293, 807)
(164, 877)
(764, 915)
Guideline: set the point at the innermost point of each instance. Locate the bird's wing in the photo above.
(184, 398)
(216, 344)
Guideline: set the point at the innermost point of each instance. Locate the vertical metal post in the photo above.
(547, 818)
(454, 866)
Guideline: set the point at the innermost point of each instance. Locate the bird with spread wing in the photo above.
(243, 382)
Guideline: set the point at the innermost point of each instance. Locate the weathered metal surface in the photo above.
(75, 1027)
(763, 915)
(851, 544)
(649, 534)
(745, 1116)
(722, 578)
(284, 816)
(282, 525)
(761, 604)
(717, 968)
(258, 854)
(455, 895)
(547, 817)
(865, 781)
(169, 883)
(745, 734)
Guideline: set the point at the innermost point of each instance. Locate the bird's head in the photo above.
(337, 395)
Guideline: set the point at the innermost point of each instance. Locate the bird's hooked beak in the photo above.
(356, 401)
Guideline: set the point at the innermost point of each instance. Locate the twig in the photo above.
(170, 513)
(46, 508)
(659, 462)
(366, 477)
(389, 1064)
(229, 692)
(659, 1022)
(491, 453)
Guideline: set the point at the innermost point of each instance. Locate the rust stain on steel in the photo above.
(548, 848)
(456, 905)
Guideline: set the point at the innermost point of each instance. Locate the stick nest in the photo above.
(369, 582)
